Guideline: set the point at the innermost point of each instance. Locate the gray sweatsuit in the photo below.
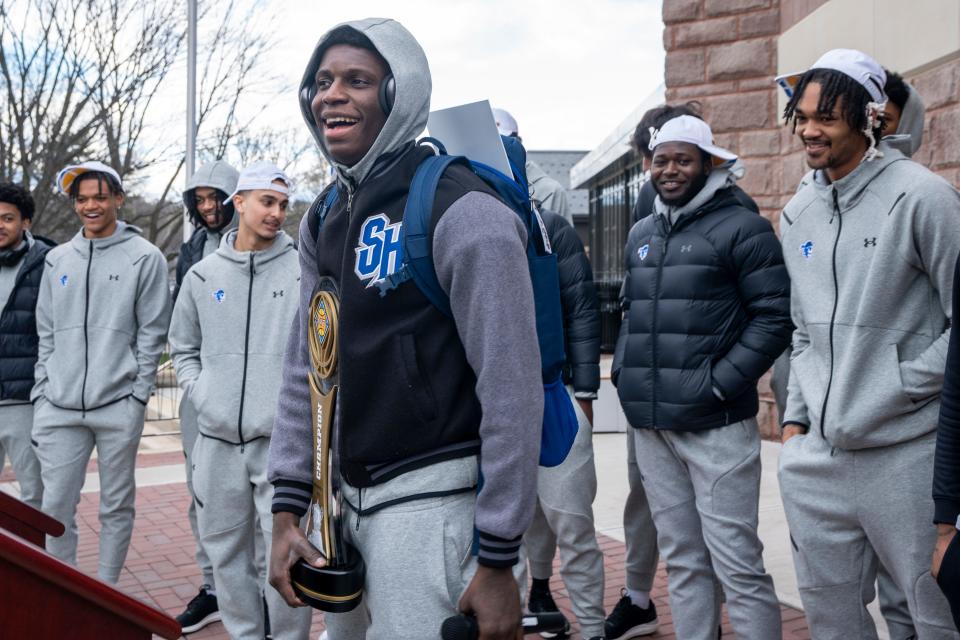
(102, 320)
(227, 352)
(871, 260)
(214, 175)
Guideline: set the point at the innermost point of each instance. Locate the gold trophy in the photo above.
(337, 587)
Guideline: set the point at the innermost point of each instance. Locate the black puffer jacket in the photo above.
(18, 326)
(581, 308)
(644, 204)
(191, 252)
(707, 306)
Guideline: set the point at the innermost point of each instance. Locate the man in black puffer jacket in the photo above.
(21, 265)
(565, 493)
(707, 312)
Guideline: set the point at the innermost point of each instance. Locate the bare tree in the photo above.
(85, 84)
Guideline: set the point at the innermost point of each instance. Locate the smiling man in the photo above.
(870, 243)
(102, 320)
(426, 400)
(706, 301)
(227, 350)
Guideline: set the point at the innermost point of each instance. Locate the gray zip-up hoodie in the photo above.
(871, 260)
(102, 318)
(228, 334)
(494, 317)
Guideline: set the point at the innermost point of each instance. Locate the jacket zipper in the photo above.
(833, 315)
(656, 351)
(246, 349)
(86, 340)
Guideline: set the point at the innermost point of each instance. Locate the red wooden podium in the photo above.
(42, 597)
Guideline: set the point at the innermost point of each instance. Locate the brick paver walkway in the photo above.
(160, 567)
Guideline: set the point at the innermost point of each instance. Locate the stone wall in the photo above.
(723, 53)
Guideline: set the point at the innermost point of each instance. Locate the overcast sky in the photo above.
(568, 70)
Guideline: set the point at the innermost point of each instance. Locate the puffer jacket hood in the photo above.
(909, 134)
(411, 73)
(218, 175)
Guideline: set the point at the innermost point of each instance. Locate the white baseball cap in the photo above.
(850, 62)
(506, 125)
(261, 175)
(693, 131)
(69, 174)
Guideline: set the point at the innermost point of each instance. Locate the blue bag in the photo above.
(560, 423)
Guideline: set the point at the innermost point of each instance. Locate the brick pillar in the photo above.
(722, 53)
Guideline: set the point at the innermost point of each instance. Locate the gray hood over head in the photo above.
(909, 134)
(215, 175)
(411, 73)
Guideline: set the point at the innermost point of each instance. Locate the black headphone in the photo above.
(388, 94)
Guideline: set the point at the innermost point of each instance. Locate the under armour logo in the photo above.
(278, 294)
(869, 242)
(686, 248)
(114, 276)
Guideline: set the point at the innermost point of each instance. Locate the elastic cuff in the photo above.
(794, 423)
(585, 395)
(945, 511)
(291, 497)
(497, 552)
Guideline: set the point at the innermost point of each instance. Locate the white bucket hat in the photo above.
(694, 131)
(261, 175)
(850, 62)
(69, 174)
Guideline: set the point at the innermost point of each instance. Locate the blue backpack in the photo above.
(559, 417)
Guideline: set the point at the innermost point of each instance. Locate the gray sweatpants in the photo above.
(16, 423)
(564, 515)
(704, 488)
(65, 439)
(231, 490)
(417, 554)
(188, 434)
(639, 531)
(847, 510)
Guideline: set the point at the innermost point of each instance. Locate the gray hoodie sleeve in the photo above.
(291, 453)
(185, 336)
(153, 318)
(44, 333)
(935, 246)
(480, 258)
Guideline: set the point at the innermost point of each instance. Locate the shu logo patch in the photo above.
(278, 294)
(219, 295)
(380, 251)
(806, 249)
(869, 242)
(63, 280)
(643, 251)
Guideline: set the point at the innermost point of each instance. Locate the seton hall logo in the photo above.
(380, 251)
(806, 249)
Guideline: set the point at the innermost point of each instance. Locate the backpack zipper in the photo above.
(833, 315)
(246, 350)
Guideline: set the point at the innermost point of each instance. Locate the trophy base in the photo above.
(336, 589)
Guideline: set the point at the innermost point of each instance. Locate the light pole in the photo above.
(191, 103)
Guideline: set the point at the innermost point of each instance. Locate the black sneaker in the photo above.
(540, 601)
(200, 612)
(627, 620)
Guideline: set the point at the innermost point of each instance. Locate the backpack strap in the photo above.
(417, 261)
(321, 207)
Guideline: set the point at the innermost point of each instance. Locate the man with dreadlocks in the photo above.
(870, 243)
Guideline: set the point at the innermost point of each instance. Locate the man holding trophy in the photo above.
(414, 434)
